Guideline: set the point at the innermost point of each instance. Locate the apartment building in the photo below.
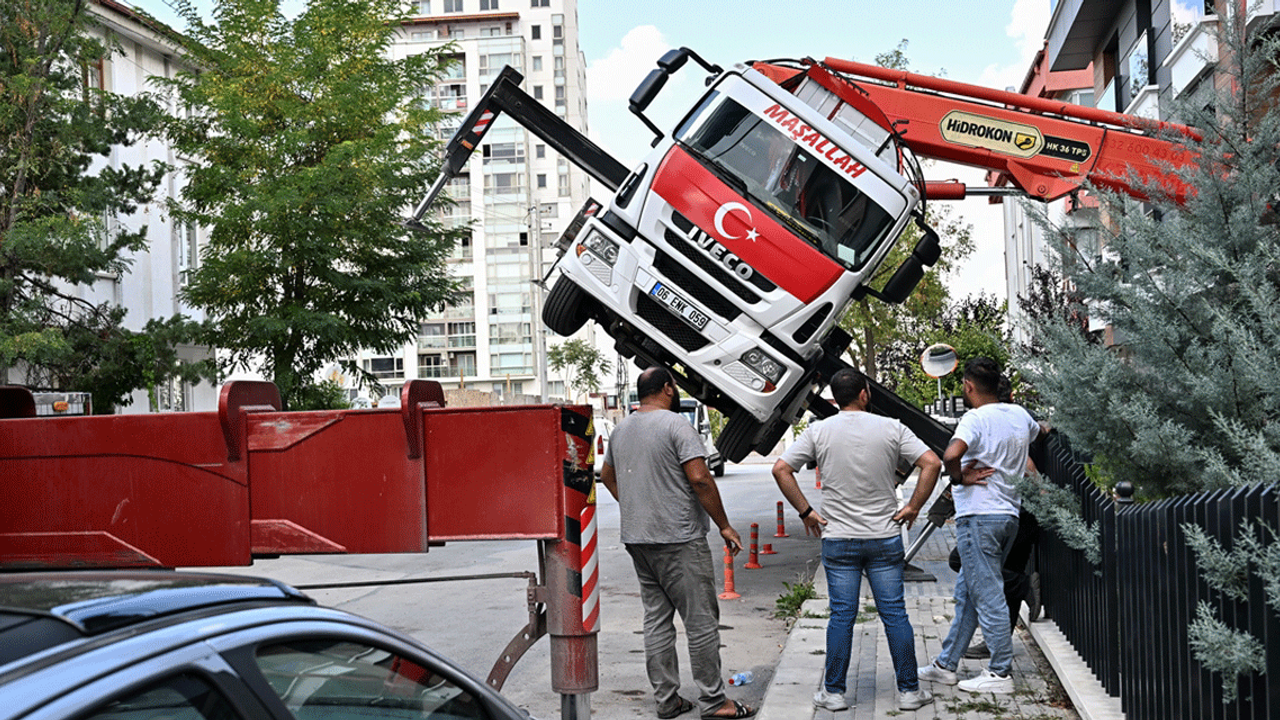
(516, 194)
(1136, 57)
(138, 50)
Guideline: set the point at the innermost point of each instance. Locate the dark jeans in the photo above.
(845, 560)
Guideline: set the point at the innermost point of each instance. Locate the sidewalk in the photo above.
(1045, 666)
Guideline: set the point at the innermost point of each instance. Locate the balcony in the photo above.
(1192, 57)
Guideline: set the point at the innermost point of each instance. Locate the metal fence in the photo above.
(1129, 617)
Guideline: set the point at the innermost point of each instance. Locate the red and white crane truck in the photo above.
(730, 252)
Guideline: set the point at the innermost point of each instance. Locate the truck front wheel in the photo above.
(738, 436)
(565, 311)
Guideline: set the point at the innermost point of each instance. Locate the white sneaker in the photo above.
(933, 673)
(915, 699)
(830, 701)
(988, 682)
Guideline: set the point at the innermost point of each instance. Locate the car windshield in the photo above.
(813, 200)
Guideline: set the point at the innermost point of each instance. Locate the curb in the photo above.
(802, 663)
(1091, 701)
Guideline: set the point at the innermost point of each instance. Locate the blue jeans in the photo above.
(845, 559)
(984, 542)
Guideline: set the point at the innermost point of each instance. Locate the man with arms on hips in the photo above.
(858, 454)
(987, 453)
(656, 467)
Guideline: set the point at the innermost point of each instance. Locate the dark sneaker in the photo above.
(977, 651)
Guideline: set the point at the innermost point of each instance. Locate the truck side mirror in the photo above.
(908, 275)
(645, 94)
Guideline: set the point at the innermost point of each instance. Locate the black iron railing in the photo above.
(1129, 617)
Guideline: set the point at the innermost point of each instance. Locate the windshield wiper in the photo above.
(796, 226)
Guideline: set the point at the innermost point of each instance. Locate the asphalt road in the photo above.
(472, 621)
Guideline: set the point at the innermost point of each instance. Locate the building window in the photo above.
(503, 153)
(540, 3)
(537, 92)
(432, 366)
(488, 4)
(494, 31)
(385, 367)
(1138, 67)
(540, 151)
(535, 32)
(537, 63)
(431, 336)
(542, 180)
(453, 6)
(564, 184)
(424, 7)
(462, 334)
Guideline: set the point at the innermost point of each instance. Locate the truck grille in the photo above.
(711, 267)
(673, 327)
(685, 280)
(810, 326)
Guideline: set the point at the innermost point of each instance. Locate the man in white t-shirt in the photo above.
(987, 453)
(858, 453)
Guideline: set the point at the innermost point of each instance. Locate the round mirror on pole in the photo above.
(938, 360)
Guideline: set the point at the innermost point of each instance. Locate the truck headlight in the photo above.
(601, 246)
(758, 360)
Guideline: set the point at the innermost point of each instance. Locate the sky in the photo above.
(983, 42)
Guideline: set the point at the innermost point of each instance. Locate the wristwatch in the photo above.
(806, 512)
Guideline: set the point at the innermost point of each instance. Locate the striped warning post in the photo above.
(590, 572)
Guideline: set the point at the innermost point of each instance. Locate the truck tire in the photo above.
(564, 312)
(737, 437)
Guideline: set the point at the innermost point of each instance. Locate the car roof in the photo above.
(43, 610)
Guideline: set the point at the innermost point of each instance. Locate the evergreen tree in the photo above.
(57, 126)
(1186, 398)
(310, 145)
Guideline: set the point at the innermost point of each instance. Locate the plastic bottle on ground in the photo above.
(742, 678)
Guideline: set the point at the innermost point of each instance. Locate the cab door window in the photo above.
(342, 680)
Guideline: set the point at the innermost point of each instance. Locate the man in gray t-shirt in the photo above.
(656, 467)
(858, 453)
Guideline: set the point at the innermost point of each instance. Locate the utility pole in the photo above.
(535, 292)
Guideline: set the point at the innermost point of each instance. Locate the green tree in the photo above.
(974, 326)
(1186, 399)
(883, 334)
(580, 363)
(55, 124)
(309, 146)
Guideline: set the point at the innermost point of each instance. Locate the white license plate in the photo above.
(680, 306)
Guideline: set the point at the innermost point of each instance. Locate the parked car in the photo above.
(696, 413)
(604, 428)
(164, 645)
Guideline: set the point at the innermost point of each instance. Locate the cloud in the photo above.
(1027, 23)
(613, 77)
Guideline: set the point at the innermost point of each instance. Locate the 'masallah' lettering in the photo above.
(805, 135)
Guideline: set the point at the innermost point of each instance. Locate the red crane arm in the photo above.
(1046, 148)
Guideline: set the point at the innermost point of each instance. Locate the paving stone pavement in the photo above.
(872, 694)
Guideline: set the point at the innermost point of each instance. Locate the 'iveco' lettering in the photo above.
(805, 135)
(721, 254)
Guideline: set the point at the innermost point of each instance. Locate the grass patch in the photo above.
(984, 707)
(789, 602)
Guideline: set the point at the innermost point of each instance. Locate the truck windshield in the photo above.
(788, 179)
